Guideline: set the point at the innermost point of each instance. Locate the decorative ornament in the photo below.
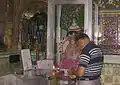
(110, 1)
(104, 6)
(74, 26)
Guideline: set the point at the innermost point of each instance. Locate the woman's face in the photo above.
(72, 41)
(72, 38)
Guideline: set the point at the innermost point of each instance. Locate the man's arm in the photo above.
(83, 64)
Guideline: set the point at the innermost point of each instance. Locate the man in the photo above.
(91, 60)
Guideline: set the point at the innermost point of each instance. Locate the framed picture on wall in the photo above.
(72, 17)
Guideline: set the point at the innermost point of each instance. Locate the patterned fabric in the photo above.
(72, 51)
(109, 40)
(70, 56)
(91, 58)
(70, 12)
(69, 63)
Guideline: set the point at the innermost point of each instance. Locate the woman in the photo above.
(71, 52)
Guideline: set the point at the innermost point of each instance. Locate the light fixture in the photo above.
(104, 6)
(98, 34)
(28, 15)
(110, 1)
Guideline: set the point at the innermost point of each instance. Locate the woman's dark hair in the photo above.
(71, 33)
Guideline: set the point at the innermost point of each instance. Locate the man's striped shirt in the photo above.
(92, 59)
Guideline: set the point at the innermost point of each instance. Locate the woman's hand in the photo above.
(72, 73)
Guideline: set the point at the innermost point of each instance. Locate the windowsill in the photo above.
(112, 59)
(107, 58)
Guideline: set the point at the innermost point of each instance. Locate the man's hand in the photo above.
(76, 71)
(80, 71)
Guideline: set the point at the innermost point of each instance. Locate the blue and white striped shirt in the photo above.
(92, 59)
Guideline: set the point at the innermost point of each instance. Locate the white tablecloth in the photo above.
(29, 78)
(22, 80)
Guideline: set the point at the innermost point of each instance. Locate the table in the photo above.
(14, 79)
